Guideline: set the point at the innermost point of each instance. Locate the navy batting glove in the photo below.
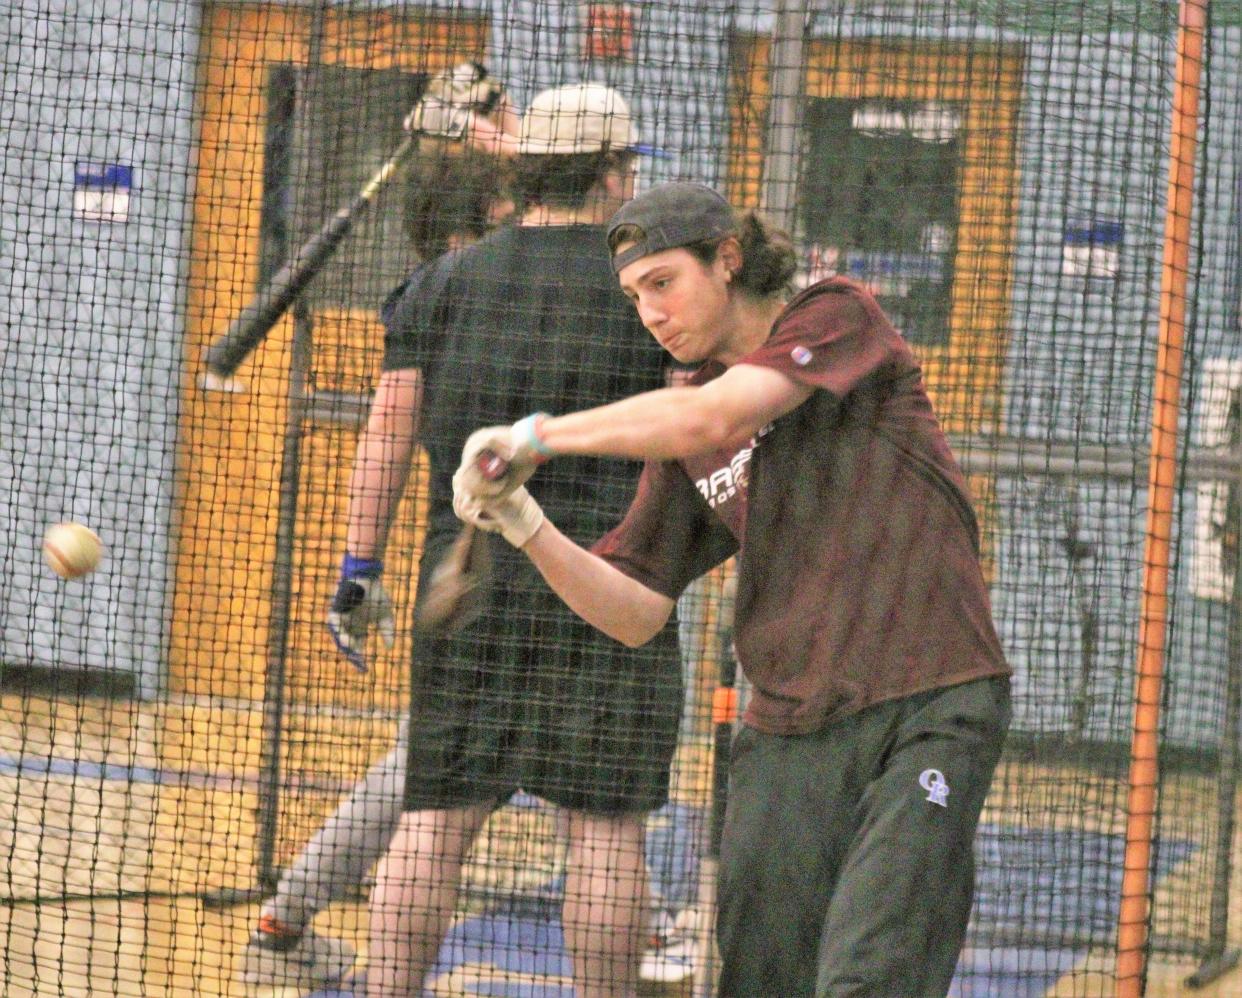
(360, 601)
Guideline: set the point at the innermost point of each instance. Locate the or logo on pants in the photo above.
(937, 787)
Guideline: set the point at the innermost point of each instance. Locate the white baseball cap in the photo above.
(580, 118)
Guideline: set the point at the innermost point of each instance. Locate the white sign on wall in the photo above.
(1214, 553)
(1092, 249)
(101, 191)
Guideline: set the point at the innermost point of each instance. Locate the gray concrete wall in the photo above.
(1080, 366)
(90, 351)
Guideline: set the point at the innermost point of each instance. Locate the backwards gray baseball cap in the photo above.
(671, 215)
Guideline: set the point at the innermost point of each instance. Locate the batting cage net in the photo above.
(266, 265)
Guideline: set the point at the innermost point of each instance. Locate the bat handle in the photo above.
(491, 465)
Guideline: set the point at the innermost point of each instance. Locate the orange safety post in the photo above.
(1131, 970)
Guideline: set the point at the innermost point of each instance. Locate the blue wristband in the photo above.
(361, 568)
(528, 432)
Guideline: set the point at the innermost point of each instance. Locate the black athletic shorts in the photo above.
(532, 697)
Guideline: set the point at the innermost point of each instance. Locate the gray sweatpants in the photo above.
(846, 869)
(348, 843)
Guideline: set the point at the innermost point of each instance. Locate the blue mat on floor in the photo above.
(522, 941)
(1039, 892)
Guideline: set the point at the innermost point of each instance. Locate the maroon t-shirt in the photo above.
(858, 566)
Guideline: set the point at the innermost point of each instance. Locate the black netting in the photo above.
(177, 725)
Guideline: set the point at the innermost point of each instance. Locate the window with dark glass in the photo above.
(879, 201)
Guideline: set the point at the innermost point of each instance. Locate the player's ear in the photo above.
(614, 180)
(617, 175)
(729, 257)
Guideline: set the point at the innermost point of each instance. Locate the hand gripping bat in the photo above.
(457, 591)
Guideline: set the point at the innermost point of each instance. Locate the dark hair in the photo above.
(450, 193)
(563, 180)
(769, 260)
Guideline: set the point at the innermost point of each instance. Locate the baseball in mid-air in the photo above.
(71, 549)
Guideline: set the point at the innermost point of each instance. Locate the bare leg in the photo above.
(415, 895)
(605, 908)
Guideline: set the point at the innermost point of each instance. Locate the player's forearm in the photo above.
(376, 484)
(600, 594)
(671, 423)
(382, 461)
(666, 424)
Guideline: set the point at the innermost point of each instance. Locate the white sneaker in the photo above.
(309, 962)
(669, 957)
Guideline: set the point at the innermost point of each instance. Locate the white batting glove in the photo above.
(518, 446)
(360, 602)
(467, 84)
(439, 119)
(516, 516)
(451, 98)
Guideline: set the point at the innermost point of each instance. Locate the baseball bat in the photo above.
(453, 597)
(248, 330)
